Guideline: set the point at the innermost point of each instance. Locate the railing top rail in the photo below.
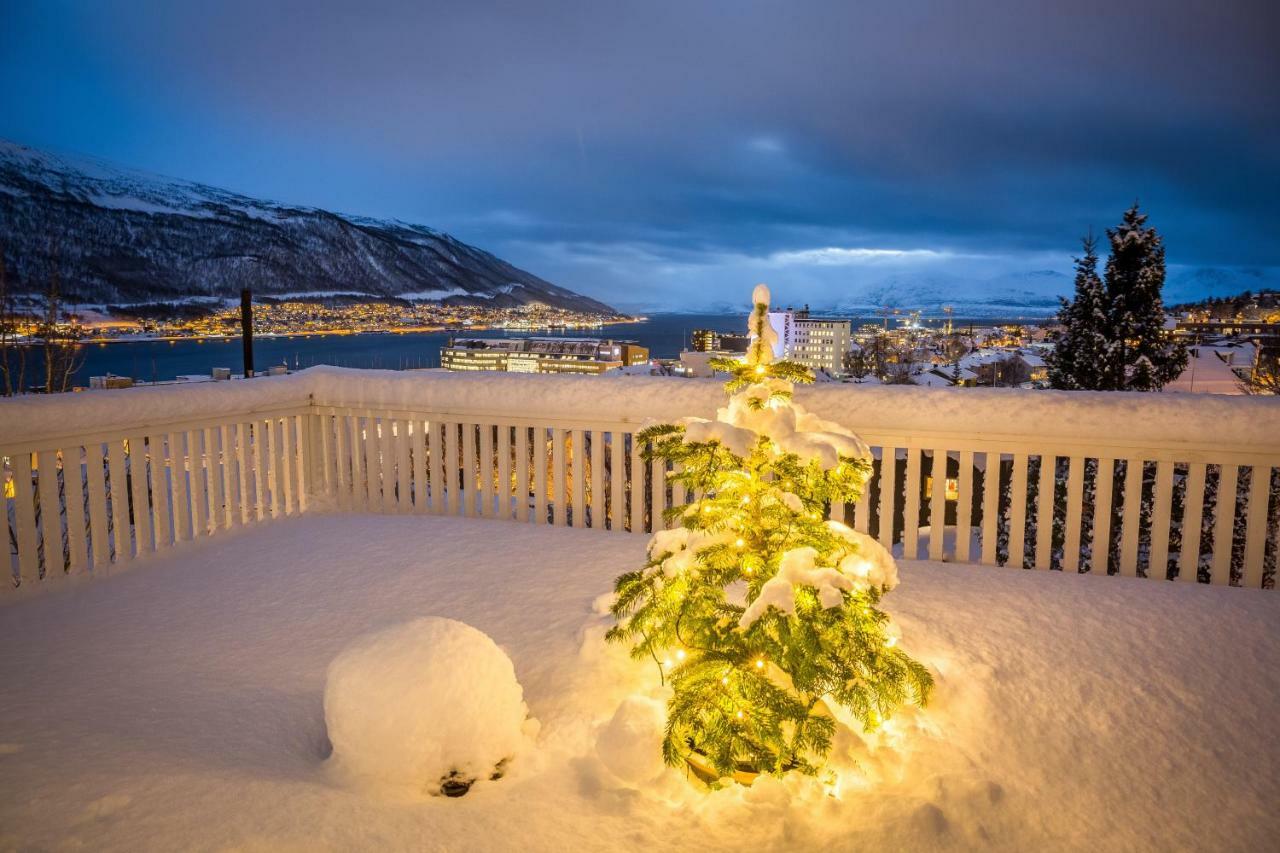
(1109, 420)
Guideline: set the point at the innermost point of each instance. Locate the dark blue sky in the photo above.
(658, 151)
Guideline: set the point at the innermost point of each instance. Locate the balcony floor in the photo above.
(179, 706)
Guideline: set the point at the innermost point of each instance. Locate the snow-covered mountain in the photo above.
(1033, 292)
(125, 237)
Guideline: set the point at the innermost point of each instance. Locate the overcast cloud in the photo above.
(676, 152)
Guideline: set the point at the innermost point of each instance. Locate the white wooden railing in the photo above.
(1181, 481)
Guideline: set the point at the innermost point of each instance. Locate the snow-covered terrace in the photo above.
(266, 524)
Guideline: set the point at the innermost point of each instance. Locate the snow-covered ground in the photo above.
(179, 706)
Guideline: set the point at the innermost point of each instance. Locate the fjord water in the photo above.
(664, 334)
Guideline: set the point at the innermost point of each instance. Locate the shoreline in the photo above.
(485, 327)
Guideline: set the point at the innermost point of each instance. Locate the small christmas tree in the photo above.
(758, 610)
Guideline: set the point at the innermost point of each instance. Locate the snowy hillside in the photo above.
(129, 237)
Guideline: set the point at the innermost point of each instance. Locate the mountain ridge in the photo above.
(122, 236)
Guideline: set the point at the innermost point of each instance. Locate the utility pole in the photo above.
(246, 330)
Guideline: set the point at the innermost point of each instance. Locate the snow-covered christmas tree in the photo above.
(760, 613)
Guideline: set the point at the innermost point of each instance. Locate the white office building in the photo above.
(818, 343)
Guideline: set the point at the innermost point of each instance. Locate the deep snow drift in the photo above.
(180, 706)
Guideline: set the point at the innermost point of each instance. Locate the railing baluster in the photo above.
(212, 478)
(404, 473)
(1224, 524)
(97, 485)
(964, 508)
(617, 481)
(287, 448)
(384, 497)
(73, 484)
(371, 437)
(303, 473)
(50, 512)
(469, 482)
(990, 507)
(275, 467)
(419, 452)
(438, 449)
(119, 493)
(1131, 517)
(1100, 558)
(196, 484)
(161, 503)
(258, 438)
(1161, 510)
(344, 476)
(577, 472)
(1255, 531)
(1045, 511)
(658, 493)
(911, 507)
(888, 494)
(504, 472)
(1075, 512)
(558, 486)
(522, 474)
(597, 480)
(1018, 512)
(539, 475)
(244, 476)
(938, 505)
(25, 516)
(1192, 519)
(138, 495)
(329, 459)
(486, 471)
(230, 499)
(449, 469)
(637, 489)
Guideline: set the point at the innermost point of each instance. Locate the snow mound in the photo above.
(630, 744)
(422, 703)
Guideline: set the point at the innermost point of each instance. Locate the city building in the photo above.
(819, 343)
(541, 355)
(705, 340)
(709, 340)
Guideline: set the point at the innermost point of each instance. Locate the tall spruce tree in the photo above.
(1113, 331)
(1140, 359)
(1079, 359)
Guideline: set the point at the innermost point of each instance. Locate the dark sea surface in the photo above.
(664, 334)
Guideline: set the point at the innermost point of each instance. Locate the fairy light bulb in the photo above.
(680, 654)
(725, 681)
(741, 715)
(739, 543)
(759, 370)
(759, 663)
(891, 642)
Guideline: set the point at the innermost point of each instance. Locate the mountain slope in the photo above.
(125, 237)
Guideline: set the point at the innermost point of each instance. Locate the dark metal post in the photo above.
(246, 330)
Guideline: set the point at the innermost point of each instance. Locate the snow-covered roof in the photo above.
(1212, 370)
